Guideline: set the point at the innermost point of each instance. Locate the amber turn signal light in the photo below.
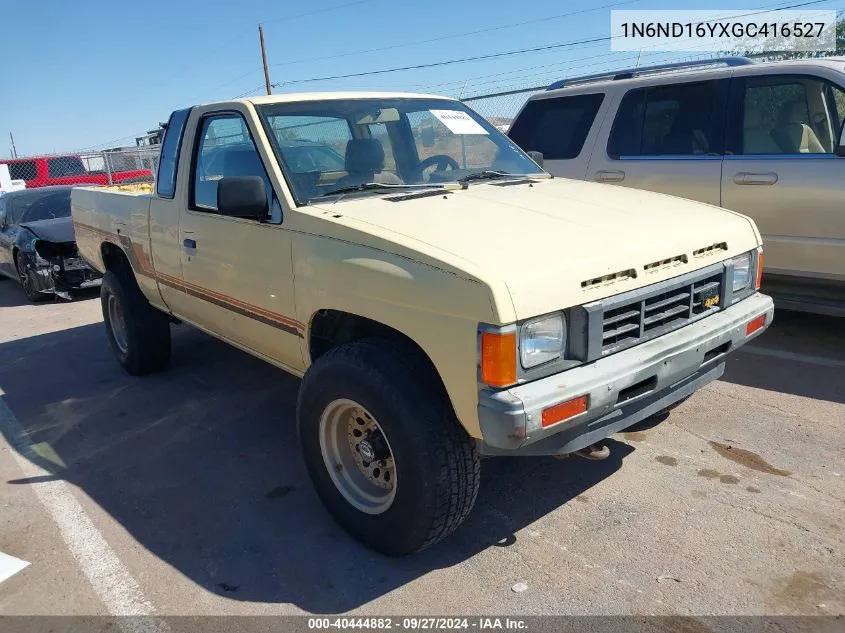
(755, 324)
(759, 269)
(564, 411)
(498, 359)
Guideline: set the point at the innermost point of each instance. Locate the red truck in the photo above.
(44, 171)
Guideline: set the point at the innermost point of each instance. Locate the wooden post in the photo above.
(264, 59)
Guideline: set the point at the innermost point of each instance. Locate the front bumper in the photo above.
(46, 280)
(623, 388)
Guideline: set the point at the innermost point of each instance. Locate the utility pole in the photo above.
(14, 150)
(264, 59)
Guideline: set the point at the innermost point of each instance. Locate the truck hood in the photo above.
(549, 242)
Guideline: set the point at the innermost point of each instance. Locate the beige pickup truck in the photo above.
(441, 295)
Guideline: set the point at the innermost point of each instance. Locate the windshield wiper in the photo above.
(492, 174)
(381, 186)
(375, 186)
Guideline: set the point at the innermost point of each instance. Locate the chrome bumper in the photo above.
(623, 388)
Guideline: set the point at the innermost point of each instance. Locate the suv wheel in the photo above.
(138, 333)
(387, 456)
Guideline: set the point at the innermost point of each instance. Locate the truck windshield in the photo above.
(325, 146)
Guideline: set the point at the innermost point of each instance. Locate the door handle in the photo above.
(610, 176)
(749, 178)
(189, 243)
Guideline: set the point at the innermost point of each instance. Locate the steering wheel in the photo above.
(442, 162)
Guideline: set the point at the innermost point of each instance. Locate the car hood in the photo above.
(57, 230)
(549, 242)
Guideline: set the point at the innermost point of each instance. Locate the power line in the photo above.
(586, 42)
(449, 62)
(287, 18)
(522, 51)
(456, 35)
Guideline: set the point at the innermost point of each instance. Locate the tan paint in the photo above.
(431, 268)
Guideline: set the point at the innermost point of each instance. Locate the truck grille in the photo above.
(655, 311)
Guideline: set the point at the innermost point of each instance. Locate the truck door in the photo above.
(237, 273)
(666, 138)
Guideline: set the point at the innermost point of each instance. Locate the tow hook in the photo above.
(594, 452)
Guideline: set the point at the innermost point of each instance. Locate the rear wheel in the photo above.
(29, 283)
(387, 456)
(138, 333)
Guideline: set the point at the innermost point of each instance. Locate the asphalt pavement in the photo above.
(184, 493)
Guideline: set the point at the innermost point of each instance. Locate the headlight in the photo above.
(742, 272)
(541, 340)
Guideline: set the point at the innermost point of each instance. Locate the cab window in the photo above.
(225, 149)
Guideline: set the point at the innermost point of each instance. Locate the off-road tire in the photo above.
(147, 329)
(437, 463)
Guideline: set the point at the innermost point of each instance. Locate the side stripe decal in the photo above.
(142, 264)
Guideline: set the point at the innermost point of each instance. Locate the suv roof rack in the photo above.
(628, 73)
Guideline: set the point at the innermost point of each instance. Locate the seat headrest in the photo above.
(792, 112)
(242, 162)
(364, 155)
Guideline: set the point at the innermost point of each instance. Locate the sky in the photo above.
(95, 74)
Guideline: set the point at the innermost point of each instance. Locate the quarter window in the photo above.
(166, 180)
(676, 120)
(556, 127)
(225, 149)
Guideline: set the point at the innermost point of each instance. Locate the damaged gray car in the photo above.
(37, 244)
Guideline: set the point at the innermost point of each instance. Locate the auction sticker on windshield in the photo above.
(458, 122)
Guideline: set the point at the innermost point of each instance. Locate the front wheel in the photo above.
(387, 457)
(138, 333)
(29, 283)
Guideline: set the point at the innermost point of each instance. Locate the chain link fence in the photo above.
(500, 108)
(108, 167)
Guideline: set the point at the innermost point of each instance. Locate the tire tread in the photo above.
(457, 465)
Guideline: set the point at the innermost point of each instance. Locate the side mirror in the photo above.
(242, 197)
(427, 135)
(537, 157)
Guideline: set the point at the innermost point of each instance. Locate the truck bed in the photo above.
(117, 214)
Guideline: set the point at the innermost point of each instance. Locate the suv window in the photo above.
(23, 170)
(64, 166)
(166, 179)
(786, 115)
(556, 127)
(675, 120)
(225, 149)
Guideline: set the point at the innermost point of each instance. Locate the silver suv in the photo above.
(761, 138)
